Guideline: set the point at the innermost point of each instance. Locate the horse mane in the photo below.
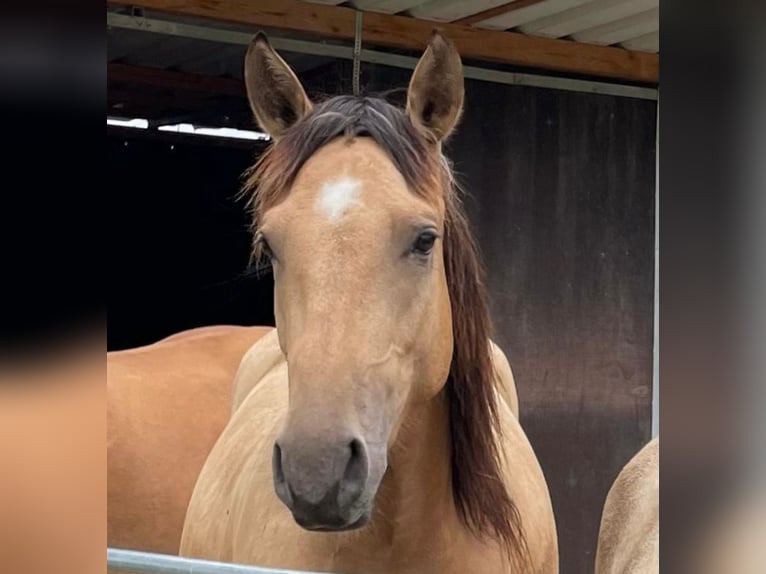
(480, 496)
(475, 427)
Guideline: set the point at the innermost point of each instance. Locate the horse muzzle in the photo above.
(323, 482)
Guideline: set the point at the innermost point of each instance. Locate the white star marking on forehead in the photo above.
(336, 196)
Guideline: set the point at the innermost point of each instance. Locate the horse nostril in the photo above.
(355, 475)
(280, 485)
(276, 463)
(355, 462)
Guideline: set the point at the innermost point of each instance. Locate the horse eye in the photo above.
(424, 243)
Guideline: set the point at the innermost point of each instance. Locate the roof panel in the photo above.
(387, 6)
(451, 10)
(646, 43)
(623, 29)
(586, 16)
(529, 14)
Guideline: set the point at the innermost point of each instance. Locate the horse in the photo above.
(167, 402)
(153, 462)
(629, 533)
(382, 441)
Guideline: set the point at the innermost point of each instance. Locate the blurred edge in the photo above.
(713, 277)
(52, 269)
(52, 430)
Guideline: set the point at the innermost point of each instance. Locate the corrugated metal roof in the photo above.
(632, 24)
(137, 53)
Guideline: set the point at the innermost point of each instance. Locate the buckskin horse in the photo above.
(381, 440)
(629, 534)
(166, 405)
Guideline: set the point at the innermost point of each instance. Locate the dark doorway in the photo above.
(179, 238)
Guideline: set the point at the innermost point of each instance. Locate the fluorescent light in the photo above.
(138, 123)
(178, 128)
(215, 132)
(232, 133)
(143, 124)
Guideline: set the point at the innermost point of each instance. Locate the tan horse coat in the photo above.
(167, 404)
(225, 499)
(265, 356)
(629, 535)
(146, 509)
(382, 441)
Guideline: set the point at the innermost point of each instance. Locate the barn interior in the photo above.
(556, 151)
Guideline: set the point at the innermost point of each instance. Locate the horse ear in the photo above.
(275, 93)
(435, 94)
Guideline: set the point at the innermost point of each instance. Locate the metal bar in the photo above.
(357, 50)
(149, 563)
(374, 57)
(656, 345)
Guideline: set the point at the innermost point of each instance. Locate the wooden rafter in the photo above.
(496, 11)
(120, 99)
(411, 33)
(156, 77)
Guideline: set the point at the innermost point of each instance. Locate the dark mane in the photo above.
(341, 116)
(478, 489)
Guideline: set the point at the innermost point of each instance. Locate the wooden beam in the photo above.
(119, 99)
(156, 77)
(413, 34)
(162, 105)
(496, 11)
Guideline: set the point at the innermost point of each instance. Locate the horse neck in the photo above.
(415, 510)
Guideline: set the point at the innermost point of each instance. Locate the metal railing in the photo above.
(149, 563)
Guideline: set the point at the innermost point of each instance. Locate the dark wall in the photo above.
(562, 192)
(561, 195)
(179, 242)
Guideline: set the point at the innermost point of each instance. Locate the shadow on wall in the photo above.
(179, 248)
